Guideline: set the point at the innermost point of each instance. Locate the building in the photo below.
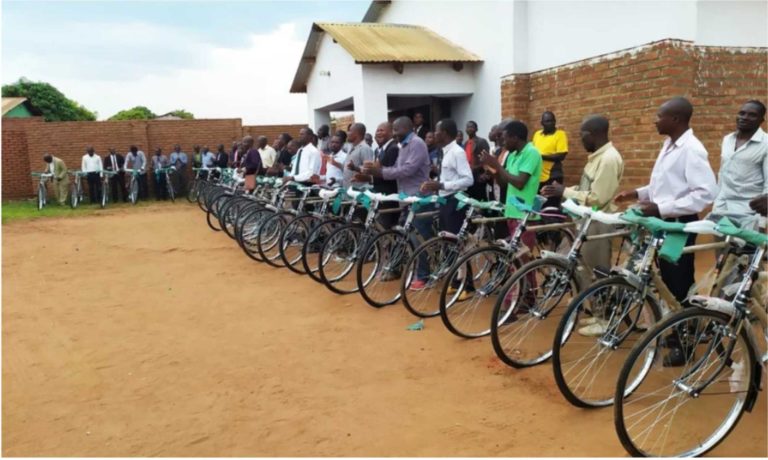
(449, 58)
(19, 107)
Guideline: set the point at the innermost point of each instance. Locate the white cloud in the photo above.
(167, 69)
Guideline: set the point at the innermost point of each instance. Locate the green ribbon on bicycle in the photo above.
(336, 207)
(726, 227)
(426, 201)
(674, 236)
(365, 200)
(463, 200)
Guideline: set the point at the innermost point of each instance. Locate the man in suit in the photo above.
(473, 147)
(114, 162)
(57, 167)
(386, 155)
(420, 128)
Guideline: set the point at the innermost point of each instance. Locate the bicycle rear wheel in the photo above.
(73, 198)
(609, 318)
(380, 267)
(169, 188)
(310, 252)
(134, 192)
(292, 241)
(192, 192)
(249, 232)
(40, 196)
(268, 238)
(469, 290)
(436, 257)
(529, 308)
(338, 256)
(104, 196)
(686, 411)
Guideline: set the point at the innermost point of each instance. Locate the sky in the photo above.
(216, 59)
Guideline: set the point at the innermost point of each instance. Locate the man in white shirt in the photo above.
(334, 172)
(744, 163)
(305, 167)
(682, 185)
(92, 165)
(268, 154)
(136, 160)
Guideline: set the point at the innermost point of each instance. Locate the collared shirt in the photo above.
(159, 161)
(359, 154)
(252, 162)
(91, 163)
(268, 156)
(306, 163)
(379, 152)
(547, 145)
(179, 160)
(222, 159)
(114, 163)
(285, 157)
(412, 166)
(138, 161)
(600, 179)
(469, 148)
(743, 173)
(528, 160)
(209, 159)
(334, 172)
(455, 173)
(322, 144)
(682, 182)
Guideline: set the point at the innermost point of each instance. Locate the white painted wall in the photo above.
(732, 23)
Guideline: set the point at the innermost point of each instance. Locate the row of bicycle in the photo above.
(76, 191)
(606, 337)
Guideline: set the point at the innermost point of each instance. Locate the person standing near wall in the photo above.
(159, 161)
(135, 159)
(58, 169)
(305, 167)
(358, 156)
(420, 128)
(682, 185)
(385, 155)
(115, 162)
(553, 145)
(179, 161)
(268, 154)
(473, 148)
(91, 165)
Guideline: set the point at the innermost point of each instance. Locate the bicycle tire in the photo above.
(41, 192)
(134, 192)
(169, 188)
(317, 236)
(343, 243)
(294, 236)
(248, 236)
(425, 303)
(268, 238)
(73, 201)
(385, 268)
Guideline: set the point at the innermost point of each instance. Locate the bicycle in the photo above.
(468, 294)
(688, 410)
(193, 191)
(441, 252)
(620, 308)
(250, 225)
(382, 260)
(133, 185)
(105, 176)
(168, 172)
(271, 232)
(76, 189)
(42, 190)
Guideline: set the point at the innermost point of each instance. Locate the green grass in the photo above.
(27, 209)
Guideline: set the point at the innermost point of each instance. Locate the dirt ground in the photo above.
(143, 333)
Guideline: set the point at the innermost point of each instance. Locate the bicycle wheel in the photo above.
(249, 231)
(558, 241)
(469, 290)
(529, 308)
(104, 196)
(338, 256)
(268, 238)
(40, 196)
(169, 188)
(437, 255)
(192, 192)
(380, 268)
(609, 318)
(293, 239)
(212, 214)
(236, 222)
(686, 411)
(134, 192)
(73, 201)
(310, 252)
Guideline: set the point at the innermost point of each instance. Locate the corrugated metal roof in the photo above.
(10, 103)
(371, 43)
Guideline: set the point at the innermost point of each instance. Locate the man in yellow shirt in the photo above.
(552, 143)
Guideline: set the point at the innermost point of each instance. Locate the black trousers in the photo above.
(143, 186)
(161, 193)
(389, 219)
(679, 277)
(94, 186)
(450, 217)
(117, 182)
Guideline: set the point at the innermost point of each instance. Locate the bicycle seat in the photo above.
(352, 193)
(328, 194)
(608, 218)
(702, 227)
(381, 197)
(575, 209)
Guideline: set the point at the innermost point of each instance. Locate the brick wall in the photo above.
(629, 86)
(24, 141)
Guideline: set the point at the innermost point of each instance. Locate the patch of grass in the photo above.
(27, 209)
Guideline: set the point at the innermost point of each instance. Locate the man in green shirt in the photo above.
(521, 173)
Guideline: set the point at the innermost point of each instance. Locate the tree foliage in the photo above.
(137, 113)
(183, 114)
(54, 105)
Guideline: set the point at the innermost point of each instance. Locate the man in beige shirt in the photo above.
(599, 184)
(267, 153)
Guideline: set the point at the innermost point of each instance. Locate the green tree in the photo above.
(137, 113)
(52, 102)
(181, 113)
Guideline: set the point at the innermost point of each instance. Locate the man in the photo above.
(385, 155)
(369, 139)
(552, 143)
(209, 159)
(455, 175)
(346, 147)
(268, 154)
(744, 163)
(197, 157)
(234, 154)
(323, 139)
(281, 146)
(494, 136)
(599, 184)
(334, 159)
(682, 185)
(434, 154)
(460, 139)
(159, 161)
(473, 147)
(357, 157)
(305, 167)
(58, 169)
(179, 160)
(418, 125)
(251, 162)
(136, 160)
(222, 159)
(115, 162)
(520, 176)
(91, 165)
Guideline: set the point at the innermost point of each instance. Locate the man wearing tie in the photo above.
(385, 155)
(305, 167)
(179, 160)
(114, 162)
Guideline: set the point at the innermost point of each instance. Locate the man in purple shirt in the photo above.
(252, 159)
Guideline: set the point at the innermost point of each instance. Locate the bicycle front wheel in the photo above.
(380, 267)
(528, 310)
(338, 256)
(310, 252)
(249, 232)
(292, 241)
(40, 196)
(434, 259)
(686, 411)
(169, 187)
(104, 196)
(268, 238)
(594, 337)
(73, 199)
(134, 192)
